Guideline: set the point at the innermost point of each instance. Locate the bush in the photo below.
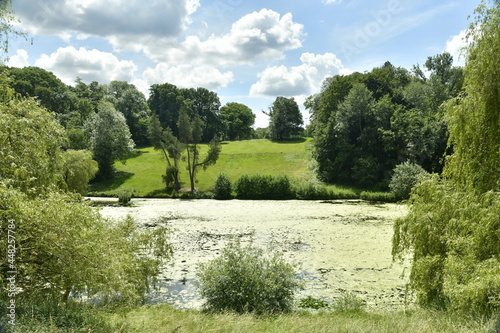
(311, 191)
(378, 196)
(65, 248)
(405, 176)
(264, 187)
(223, 188)
(349, 302)
(244, 279)
(124, 196)
(312, 303)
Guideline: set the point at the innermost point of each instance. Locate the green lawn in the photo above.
(143, 173)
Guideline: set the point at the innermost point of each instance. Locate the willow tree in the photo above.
(474, 118)
(452, 228)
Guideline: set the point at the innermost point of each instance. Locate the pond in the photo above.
(338, 245)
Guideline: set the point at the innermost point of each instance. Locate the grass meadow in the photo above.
(143, 172)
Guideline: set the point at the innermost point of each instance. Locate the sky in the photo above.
(246, 51)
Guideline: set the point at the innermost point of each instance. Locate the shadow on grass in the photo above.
(290, 141)
(120, 177)
(160, 193)
(138, 153)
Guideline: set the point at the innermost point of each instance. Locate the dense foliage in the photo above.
(452, 228)
(366, 124)
(264, 187)
(238, 120)
(110, 138)
(246, 279)
(405, 176)
(285, 119)
(58, 245)
(223, 188)
(30, 149)
(65, 248)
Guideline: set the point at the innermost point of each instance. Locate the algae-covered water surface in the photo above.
(337, 246)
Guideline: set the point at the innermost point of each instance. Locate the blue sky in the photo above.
(246, 51)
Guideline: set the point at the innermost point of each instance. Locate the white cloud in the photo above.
(455, 46)
(331, 1)
(19, 60)
(122, 18)
(90, 65)
(262, 35)
(299, 80)
(187, 76)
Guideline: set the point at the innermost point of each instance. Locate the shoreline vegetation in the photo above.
(140, 176)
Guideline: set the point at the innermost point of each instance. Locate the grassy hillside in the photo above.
(143, 172)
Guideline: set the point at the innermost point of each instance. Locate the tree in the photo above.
(238, 120)
(190, 133)
(7, 29)
(30, 145)
(110, 138)
(165, 100)
(452, 227)
(78, 169)
(171, 147)
(285, 119)
(49, 90)
(132, 104)
(474, 117)
(65, 247)
(205, 104)
(62, 245)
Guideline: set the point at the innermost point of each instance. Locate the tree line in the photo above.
(364, 124)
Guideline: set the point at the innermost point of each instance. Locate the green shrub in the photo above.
(170, 176)
(405, 176)
(311, 191)
(378, 196)
(264, 187)
(245, 279)
(124, 196)
(223, 188)
(312, 303)
(73, 250)
(349, 302)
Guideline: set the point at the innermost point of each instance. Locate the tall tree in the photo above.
(191, 133)
(110, 138)
(238, 120)
(78, 169)
(164, 140)
(474, 117)
(165, 100)
(30, 145)
(285, 119)
(206, 105)
(132, 104)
